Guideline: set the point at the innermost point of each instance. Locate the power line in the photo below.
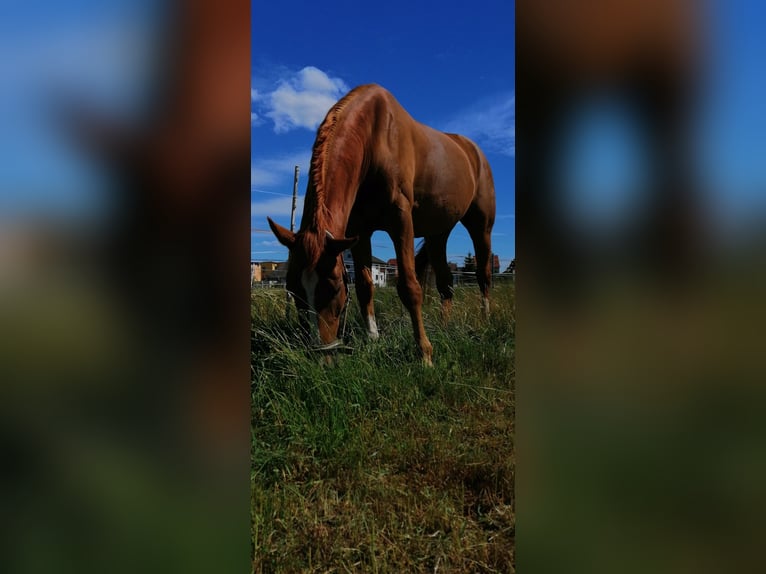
(270, 192)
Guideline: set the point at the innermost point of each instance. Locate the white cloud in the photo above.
(315, 79)
(491, 123)
(293, 109)
(300, 100)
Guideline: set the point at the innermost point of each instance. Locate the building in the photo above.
(255, 272)
(379, 276)
(378, 270)
(280, 273)
(268, 268)
(383, 273)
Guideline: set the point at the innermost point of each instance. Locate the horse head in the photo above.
(316, 277)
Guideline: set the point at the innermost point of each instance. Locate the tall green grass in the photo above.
(375, 462)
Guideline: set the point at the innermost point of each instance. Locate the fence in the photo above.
(459, 278)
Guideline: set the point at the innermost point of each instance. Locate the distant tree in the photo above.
(511, 266)
(469, 263)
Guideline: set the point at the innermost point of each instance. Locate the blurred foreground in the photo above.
(641, 398)
(123, 297)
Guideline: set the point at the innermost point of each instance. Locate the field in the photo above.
(376, 463)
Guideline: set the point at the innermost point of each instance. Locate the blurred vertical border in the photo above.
(640, 294)
(124, 357)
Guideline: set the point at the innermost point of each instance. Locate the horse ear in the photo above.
(284, 235)
(337, 246)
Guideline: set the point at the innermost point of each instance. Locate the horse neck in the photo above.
(341, 185)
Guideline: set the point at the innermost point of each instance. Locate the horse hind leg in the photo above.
(436, 249)
(422, 261)
(484, 270)
(482, 244)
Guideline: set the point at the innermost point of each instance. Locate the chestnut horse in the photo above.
(373, 167)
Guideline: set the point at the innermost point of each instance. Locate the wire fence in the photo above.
(459, 278)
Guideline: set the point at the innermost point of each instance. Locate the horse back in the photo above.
(445, 174)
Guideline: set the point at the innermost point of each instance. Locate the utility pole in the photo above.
(295, 199)
(292, 227)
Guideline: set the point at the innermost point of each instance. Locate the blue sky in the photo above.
(450, 66)
(92, 51)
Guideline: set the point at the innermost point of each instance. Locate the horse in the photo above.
(374, 167)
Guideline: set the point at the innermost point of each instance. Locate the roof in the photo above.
(348, 259)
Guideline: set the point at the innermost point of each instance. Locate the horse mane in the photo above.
(315, 209)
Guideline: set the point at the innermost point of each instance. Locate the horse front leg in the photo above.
(408, 286)
(365, 288)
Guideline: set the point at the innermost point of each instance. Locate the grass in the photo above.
(376, 463)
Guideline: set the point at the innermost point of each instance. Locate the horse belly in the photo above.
(435, 213)
(444, 186)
